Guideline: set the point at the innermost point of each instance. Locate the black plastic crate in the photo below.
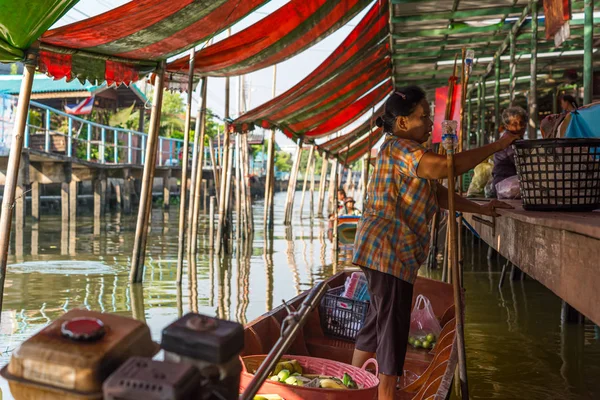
(559, 174)
(342, 317)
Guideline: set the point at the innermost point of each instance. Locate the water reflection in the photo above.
(516, 345)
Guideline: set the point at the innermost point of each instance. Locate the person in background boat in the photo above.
(568, 103)
(392, 237)
(341, 195)
(515, 123)
(349, 207)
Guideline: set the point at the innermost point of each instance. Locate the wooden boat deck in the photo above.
(559, 249)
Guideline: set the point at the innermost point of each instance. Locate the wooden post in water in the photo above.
(228, 199)
(238, 190)
(213, 161)
(14, 160)
(221, 229)
(211, 223)
(270, 178)
(289, 204)
(248, 188)
(201, 122)
(184, 169)
(332, 207)
(449, 143)
(312, 185)
(322, 184)
(306, 173)
(145, 207)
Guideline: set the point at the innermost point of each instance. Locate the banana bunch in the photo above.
(331, 383)
(293, 366)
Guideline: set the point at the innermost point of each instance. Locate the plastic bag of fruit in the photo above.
(424, 326)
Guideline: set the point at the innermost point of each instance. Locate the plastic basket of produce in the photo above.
(308, 378)
(340, 316)
(559, 174)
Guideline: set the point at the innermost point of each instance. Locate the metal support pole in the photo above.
(513, 67)
(480, 111)
(184, 168)
(201, 122)
(497, 99)
(145, 207)
(14, 160)
(588, 44)
(533, 106)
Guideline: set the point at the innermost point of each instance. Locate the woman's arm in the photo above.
(435, 166)
(468, 206)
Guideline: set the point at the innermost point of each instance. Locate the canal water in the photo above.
(517, 347)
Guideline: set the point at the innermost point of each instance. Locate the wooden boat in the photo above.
(346, 228)
(435, 369)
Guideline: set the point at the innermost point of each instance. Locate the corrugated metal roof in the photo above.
(10, 84)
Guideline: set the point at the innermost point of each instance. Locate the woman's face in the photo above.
(418, 125)
(517, 126)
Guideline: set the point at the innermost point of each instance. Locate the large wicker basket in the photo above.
(559, 174)
(367, 382)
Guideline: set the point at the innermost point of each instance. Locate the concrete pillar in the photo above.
(99, 194)
(167, 190)
(127, 190)
(35, 200)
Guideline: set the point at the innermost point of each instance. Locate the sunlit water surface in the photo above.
(517, 347)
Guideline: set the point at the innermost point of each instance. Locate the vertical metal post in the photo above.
(479, 114)
(88, 153)
(143, 149)
(145, 207)
(47, 133)
(513, 68)
(116, 144)
(160, 151)
(469, 121)
(483, 137)
(497, 98)
(129, 153)
(14, 161)
(185, 166)
(102, 144)
(533, 106)
(70, 138)
(588, 43)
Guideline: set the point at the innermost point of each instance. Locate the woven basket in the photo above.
(559, 174)
(312, 365)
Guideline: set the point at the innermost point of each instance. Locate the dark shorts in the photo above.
(387, 324)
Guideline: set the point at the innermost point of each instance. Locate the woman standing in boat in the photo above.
(392, 238)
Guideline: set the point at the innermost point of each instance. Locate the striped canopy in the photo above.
(359, 148)
(282, 34)
(335, 145)
(136, 35)
(339, 91)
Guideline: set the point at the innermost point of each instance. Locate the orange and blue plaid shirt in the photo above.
(393, 234)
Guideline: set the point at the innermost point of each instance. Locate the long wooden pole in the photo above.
(312, 185)
(269, 182)
(14, 160)
(453, 263)
(332, 207)
(533, 102)
(145, 208)
(248, 188)
(464, 80)
(289, 205)
(213, 161)
(184, 169)
(201, 122)
(224, 170)
(322, 184)
(306, 173)
(238, 189)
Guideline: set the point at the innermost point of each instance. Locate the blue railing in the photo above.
(53, 131)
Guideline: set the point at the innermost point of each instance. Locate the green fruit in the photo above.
(426, 344)
(291, 381)
(275, 378)
(430, 337)
(283, 374)
(296, 374)
(346, 380)
(411, 340)
(417, 343)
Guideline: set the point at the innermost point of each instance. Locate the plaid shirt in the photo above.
(393, 234)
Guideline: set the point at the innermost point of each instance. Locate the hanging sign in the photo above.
(557, 14)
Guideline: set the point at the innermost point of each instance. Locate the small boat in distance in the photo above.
(428, 374)
(346, 228)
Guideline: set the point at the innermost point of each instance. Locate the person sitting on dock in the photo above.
(392, 237)
(515, 122)
(349, 207)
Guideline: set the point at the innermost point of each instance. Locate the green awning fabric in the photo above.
(359, 148)
(23, 22)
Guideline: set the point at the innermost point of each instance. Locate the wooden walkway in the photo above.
(560, 250)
